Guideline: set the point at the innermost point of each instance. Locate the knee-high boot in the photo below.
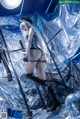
(55, 102)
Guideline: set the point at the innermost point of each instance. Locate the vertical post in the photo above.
(9, 75)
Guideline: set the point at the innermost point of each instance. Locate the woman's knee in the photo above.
(41, 74)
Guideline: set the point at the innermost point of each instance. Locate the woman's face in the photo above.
(23, 26)
(24, 29)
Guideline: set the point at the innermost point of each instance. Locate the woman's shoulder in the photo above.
(31, 30)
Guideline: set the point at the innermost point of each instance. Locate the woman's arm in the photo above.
(28, 43)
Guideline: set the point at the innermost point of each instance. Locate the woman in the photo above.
(35, 57)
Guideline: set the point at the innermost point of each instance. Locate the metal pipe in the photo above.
(54, 62)
(54, 36)
(48, 6)
(18, 80)
(21, 7)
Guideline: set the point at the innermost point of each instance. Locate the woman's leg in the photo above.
(48, 91)
(41, 67)
(30, 66)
